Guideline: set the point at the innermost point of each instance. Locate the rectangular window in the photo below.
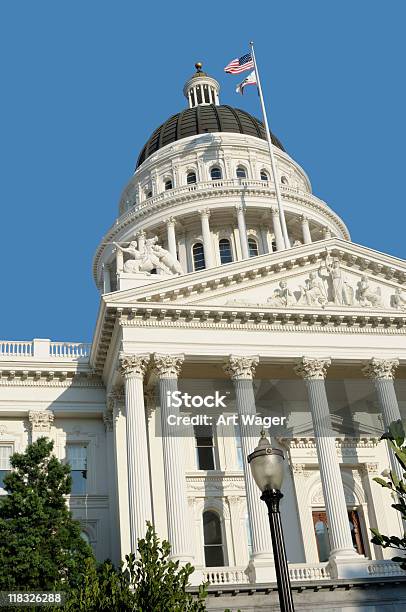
(76, 456)
(205, 455)
(5, 453)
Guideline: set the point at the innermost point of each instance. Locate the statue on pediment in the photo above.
(282, 296)
(343, 293)
(398, 300)
(147, 256)
(313, 293)
(368, 296)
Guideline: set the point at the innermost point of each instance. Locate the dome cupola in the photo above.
(201, 88)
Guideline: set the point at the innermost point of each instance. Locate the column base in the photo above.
(261, 570)
(348, 564)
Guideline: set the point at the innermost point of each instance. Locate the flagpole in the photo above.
(273, 162)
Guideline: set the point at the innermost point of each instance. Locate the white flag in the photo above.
(250, 80)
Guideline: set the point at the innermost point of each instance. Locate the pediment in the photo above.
(324, 275)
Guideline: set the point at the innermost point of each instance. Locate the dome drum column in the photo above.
(242, 230)
(307, 238)
(277, 228)
(207, 242)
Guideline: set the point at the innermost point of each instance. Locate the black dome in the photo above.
(203, 119)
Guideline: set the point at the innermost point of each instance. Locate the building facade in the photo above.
(199, 295)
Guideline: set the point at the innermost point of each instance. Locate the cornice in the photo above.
(23, 377)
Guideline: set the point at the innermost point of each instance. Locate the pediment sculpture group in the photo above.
(328, 286)
(148, 256)
(329, 279)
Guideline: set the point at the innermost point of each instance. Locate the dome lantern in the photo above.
(201, 89)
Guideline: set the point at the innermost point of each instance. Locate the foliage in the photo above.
(40, 543)
(397, 441)
(102, 588)
(150, 582)
(160, 583)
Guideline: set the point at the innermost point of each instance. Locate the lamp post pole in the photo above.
(272, 498)
(267, 470)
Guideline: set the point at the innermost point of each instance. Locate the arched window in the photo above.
(213, 541)
(191, 178)
(168, 185)
(226, 255)
(148, 194)
(284, 180)
(264, 175)
(215, 173)
(252, 247)
(198, 256)
(241, 172)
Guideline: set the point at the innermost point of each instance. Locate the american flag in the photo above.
(240, 64)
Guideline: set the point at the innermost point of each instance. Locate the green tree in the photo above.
(150, 582)
(40, 543)
(159, 583)
(396, 440)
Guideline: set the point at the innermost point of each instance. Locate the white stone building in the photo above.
(198, 291)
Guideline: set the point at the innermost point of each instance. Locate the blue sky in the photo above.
(85, 83)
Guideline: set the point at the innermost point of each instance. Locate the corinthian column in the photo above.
(241, 370)
(342, 554)
(139, 492)
(168, 368)
(382, 373)
(277, 229)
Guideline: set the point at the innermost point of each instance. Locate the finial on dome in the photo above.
(201, 88)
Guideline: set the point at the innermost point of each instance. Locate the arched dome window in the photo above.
(168, 184)
(252, 247)
(241, 172)
(198, 256)
(148, 194)
(215, 173)
(284, 180)
(213, 540)
(226, 255)
(191, 178)
(264, 175)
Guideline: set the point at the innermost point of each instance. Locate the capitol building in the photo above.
(204, 308)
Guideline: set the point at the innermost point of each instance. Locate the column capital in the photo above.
(204, 212)
(40, 420)
(133, 365)
(304, 219)
(240, 367)
(170, 221)
(108, 419)
(312, 369)
(382, 369)
(274, 211)
(168, 366)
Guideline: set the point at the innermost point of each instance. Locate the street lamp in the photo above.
(267, 470)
